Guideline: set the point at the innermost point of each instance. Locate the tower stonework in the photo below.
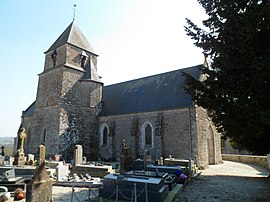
(68, 98)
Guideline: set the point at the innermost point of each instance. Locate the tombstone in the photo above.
(31, 157)
(84, 159)
(147, 157)
(2, 160)
(40, 186)
(62, 172)
(11, 160)
(126, 183)
(160, 161)
(125, 158)
(77, 155)
(96, 170)
(3, 151)
(138, 164)
(19, 156)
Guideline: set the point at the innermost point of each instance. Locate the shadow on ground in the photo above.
(226, 188)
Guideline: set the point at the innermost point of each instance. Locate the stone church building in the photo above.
(153, 113)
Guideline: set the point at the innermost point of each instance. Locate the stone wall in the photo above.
(256, 160)
(44, 130)
(65, 113)
(209, 140)
(79, 125)
(172, 134)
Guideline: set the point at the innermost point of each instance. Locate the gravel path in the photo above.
(230, 181)
(64, 194)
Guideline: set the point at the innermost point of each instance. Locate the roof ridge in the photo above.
(154, 75)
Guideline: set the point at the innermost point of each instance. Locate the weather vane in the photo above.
(74, 11)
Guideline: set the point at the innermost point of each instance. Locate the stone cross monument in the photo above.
(20, 157)
(125, 158)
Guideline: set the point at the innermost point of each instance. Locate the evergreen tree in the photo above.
(236, 91)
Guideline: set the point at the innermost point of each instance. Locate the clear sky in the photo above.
(134, 38)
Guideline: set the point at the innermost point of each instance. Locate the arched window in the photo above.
(148, 135)
(105, 136)
(104, 132)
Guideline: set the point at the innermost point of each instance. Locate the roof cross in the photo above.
(74, 11)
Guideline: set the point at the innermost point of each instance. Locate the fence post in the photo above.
(135, 193)
(116, 194)
(146, 193)
(89, 192)
(72, 192)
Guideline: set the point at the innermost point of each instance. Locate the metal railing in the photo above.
(116, 194)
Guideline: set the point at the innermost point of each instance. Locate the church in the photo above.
(152, 114)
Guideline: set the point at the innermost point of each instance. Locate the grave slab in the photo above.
(157, 190)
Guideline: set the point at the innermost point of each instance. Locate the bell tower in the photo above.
(68, 97)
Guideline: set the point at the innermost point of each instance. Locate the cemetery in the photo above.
(31, 177)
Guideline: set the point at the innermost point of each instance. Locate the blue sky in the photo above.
(134, 38)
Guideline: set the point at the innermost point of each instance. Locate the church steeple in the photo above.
(72, 50)
(68, 96)
(72, 35)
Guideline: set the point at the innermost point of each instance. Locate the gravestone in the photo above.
(160, 161)
(84, 159)
(96, 170)
(147, 157)
(125, 158)
(138, 164)
(62, 172)
(11, 160)
(40, 186)
(78, 154)
(2, 160)
(31, 157)
(19, 156)
(3, 151)
(157, 190)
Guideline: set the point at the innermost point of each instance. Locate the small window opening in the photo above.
(53, 56)
(83, 57)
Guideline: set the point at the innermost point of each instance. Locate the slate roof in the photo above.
(153, 93)
(29, 111)
(158, 92)
(74, 36)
